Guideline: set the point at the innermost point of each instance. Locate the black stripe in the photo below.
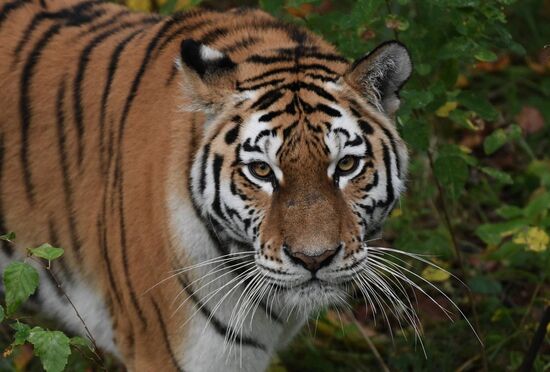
(328, 110)
(111, 70)
(5, 246)
(323, 78)
(204, 165)
(267, 99)
(390, 196)
(241, 44)
(106, 23)
(165, 335)
(11, 7)
(172, 76)
(394, 149)
(218, 326)
(213, 35)
(184, 29)
(54, 240)
(372, 184)
(270, 115)
(124, 249)
(25, 107)
(327, 57)
(216, 170)
(288, 57)
(102, 237)
(73, 16)
(365, 126)
(25, 85)
(288, 130)
(232, 134)
(260, 85)
(119, 175)
(67, 185)
(294, 69)
(61, 261)
(81, 70)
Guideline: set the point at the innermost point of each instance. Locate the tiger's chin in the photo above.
(313, 296)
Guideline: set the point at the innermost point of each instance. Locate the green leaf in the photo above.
(498, 175)
(417, 98)
(81, 341)
(22, 332)
(484, 285)
(423, 69)
(494, 141)
(20, 281)
(396, 22)
(2, 314)
(485, 55)
(9, 237)
(540, 169)
(452, 171)
(47, 252)
(274, 7)
(537, 205)
(52, 347)
(509, 211)
(417, 134)
(479, 104)
(493, 233)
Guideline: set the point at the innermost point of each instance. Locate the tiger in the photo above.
(213, 176)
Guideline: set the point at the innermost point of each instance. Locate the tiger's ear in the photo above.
(380, 74)
(209, 75)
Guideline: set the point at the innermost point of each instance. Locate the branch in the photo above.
(88, 333)
(536, 342)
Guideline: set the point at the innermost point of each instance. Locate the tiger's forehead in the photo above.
(298, 130)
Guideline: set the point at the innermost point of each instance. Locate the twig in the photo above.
(60, 287)
(372, 347)
(531, 302)
(458, 256)
(536, 342)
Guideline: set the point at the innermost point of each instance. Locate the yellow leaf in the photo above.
(498, 315)
(535, 239)
(465, 149)
(446, 109)
(462, 81)
(141, 5)
(396, 213)
(433, 274)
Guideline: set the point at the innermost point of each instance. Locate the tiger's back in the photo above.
(98, 137)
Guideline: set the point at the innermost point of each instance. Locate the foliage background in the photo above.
(476, 116)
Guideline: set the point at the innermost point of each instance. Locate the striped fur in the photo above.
(128, 139)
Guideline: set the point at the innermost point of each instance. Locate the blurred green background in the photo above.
(476, 117)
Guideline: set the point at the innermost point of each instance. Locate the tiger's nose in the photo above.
(312, 262)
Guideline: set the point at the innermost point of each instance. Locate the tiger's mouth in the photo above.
(315, 294)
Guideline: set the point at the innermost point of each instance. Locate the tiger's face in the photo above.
(300, 168)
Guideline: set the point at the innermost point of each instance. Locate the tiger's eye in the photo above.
(347, 164)
(260, 169)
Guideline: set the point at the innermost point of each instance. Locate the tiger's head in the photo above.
(300, 161)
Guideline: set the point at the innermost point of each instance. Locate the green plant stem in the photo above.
(536, 343)
(88, 333)
(372, 347)
(459, 258)
(532, 301)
